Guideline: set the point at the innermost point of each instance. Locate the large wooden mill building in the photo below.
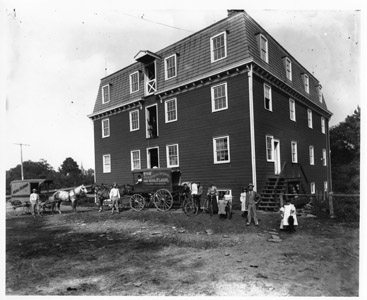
(227, 105)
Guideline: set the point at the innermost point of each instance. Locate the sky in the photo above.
(56, 52)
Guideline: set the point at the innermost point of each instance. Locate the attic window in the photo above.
(306, 83)
(264, 48)
(288, 67)
(218, 46)
(105, 93)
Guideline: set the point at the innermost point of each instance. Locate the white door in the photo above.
(277, 164)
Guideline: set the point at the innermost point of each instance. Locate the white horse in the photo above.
(71, 195)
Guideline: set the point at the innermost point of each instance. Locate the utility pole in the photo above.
(21, 157)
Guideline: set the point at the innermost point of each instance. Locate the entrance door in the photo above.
(153, 158)
(277, 164)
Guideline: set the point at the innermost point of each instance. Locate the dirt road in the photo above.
(168, 253)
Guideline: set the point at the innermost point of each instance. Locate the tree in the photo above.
(345, 154)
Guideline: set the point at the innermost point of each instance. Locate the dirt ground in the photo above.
(152, 253)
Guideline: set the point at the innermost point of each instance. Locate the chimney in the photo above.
(232, 12)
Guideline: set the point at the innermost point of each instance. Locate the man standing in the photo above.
(253, 199)
(115, 196)
(34, 199)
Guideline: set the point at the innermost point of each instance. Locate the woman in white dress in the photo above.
(289, 217)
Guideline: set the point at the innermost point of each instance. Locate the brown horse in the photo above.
(103, 192)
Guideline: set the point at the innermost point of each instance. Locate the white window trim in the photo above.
(103, 121)
(167, 155)
(215, 152)
(130, 120)
(212, 97)
(313, 188)
(106, 168)
(323, 125)
(166, 111)
(166, 69)
(267, 48)
(270, 99)
(109, 95)
(306, 83)
(292, 103)
(272, 147)
(287, 59)
(294, 146)
(212, 48)
(324, 158)
(309, 118)
(131, 82)
(132, 159)
(312, 155)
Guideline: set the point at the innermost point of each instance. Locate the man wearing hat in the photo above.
(115, 196)
(34, 199)
(253, 199)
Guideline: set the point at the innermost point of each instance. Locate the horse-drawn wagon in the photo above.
(157, 186)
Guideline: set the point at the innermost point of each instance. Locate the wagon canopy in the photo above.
(148, 180)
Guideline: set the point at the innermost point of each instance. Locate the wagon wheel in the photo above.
(163, 200)
(137, 202)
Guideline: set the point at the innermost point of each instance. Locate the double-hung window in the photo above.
(324, 161)
(218, 47)
(312, 155)
(135, 159)
(105, 128)
(219, 97)
(134, 120)
(221, 150)
(264, 48)
(106, 163)
(105, 93)
(268, 103)
(313, 188)
(306, 83)
(269, 148)
(323, 125)
(309, 118)
(292, 109)
(134, 82)
(288, 68)
(172, 156)
(170, 66)
(294, 152)
(171, 110)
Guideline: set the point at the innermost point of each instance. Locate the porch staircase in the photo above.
(270, 195)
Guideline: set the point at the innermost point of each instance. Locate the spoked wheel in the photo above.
(190, 208)
(163, 200)
(137, 202)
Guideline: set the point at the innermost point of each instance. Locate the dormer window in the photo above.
(320, 93)
(170, 67)
(288, 68)
(264, 48)
(306, 83)
(134, 82)
(218, 47)
(105, 93)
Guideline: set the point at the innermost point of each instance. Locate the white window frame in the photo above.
(323, 125)
(132, 82)
(294, 152)
(312, 155)
(288, 70)
(169, 165)
(269, 145)
(320, 94)
(106, 161)
(133, 160)
(108, 94)
(292, 110)
(166, 66)
(131, 120)
(105, 127)
(324, 158)
(264, 51)
(216, 161)
(167, 120)
(267, 86)
(313, 188)
(225, 96)
(306, 83)
(212, 58)
(309, 118)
